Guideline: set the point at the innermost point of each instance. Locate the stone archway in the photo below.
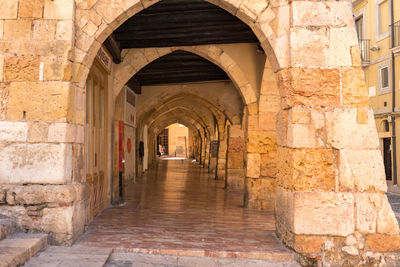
(324, 127)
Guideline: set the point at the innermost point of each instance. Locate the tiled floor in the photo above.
(178, 208)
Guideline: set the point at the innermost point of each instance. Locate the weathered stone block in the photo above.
(367, 206)
(57, 70)
(13, 131)
(260, 141)
(38, 132)
(268, 164)
(236, 144)
(235, 179)
(330, 13)
(36, 163)
(361, 170)
(24, 68)
(17, 30)
(267, 121)
(64, 30)
(383, 243)
(323, 213)
(343, 131)
(310, 87)
(235, 160)
(44, 29)
(260, 194)
(309, 47)
(54, 94)
(341, 41)
(284, 208)
(30, 8)
(58, 9)
(306, 169)
(9, 9)
(387, 222)
(308, 244)
(253, 165)
(355, 92)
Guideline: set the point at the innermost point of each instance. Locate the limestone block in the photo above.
(310, 87)
(58, 9)
(1, 28)
(13, 131)
(356, 56)
(21, 68)
(308, 244)
(236, 145)
(36, 163)
(9, 9)
(235, 161)
(383, 243)
(355, 92)
(267, 121)
(235, 131)
(323, 213)
(329, 13)
(30, 8)
(361, 170)
(253, 165)
(44, 29)
(90, 28)
(260, 194)
(306, 169)
(38, 132)
(341, 41)
(109, 10)
(235, 179)
(260, 141)
(367, 206)
(57, 70)
(284, 207)
(268, 164)
(270, 103)
(343, 131)
(309, 47)
(387, 223)
(249, 10)
(54, 94)
(17, 30)
(64, 30)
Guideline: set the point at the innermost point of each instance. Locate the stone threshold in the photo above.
(256, 255)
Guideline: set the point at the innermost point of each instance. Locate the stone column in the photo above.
(41, 120)
(331, 203)
(235, 158)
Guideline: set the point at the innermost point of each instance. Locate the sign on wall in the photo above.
(214, 149)
(130, 109)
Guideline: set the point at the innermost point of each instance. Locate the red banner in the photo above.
(120, 146)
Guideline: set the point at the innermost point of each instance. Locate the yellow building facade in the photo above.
(378, 28)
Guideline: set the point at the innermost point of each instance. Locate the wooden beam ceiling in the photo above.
(182, 22)
(179, 67)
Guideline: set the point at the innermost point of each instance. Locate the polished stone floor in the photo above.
(178, 208)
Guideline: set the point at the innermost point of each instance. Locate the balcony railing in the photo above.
(364, 48)
(395, 34)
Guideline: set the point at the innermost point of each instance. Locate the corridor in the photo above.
(178, 208)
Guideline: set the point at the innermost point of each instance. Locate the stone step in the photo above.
(75, 256)
(141, 259)
(17, 249)
(7, 227)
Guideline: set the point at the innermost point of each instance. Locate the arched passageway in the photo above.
(276, 113)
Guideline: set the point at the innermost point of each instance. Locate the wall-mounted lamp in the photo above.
(375, 48)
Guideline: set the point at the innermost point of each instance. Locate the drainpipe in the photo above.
(393, 98)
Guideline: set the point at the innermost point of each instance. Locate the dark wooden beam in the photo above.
(134, 85)
(114, 48)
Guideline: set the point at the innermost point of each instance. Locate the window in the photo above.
(384, 78)
(359, 27)
(382, 19)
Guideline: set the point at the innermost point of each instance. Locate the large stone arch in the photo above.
(136, 59)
